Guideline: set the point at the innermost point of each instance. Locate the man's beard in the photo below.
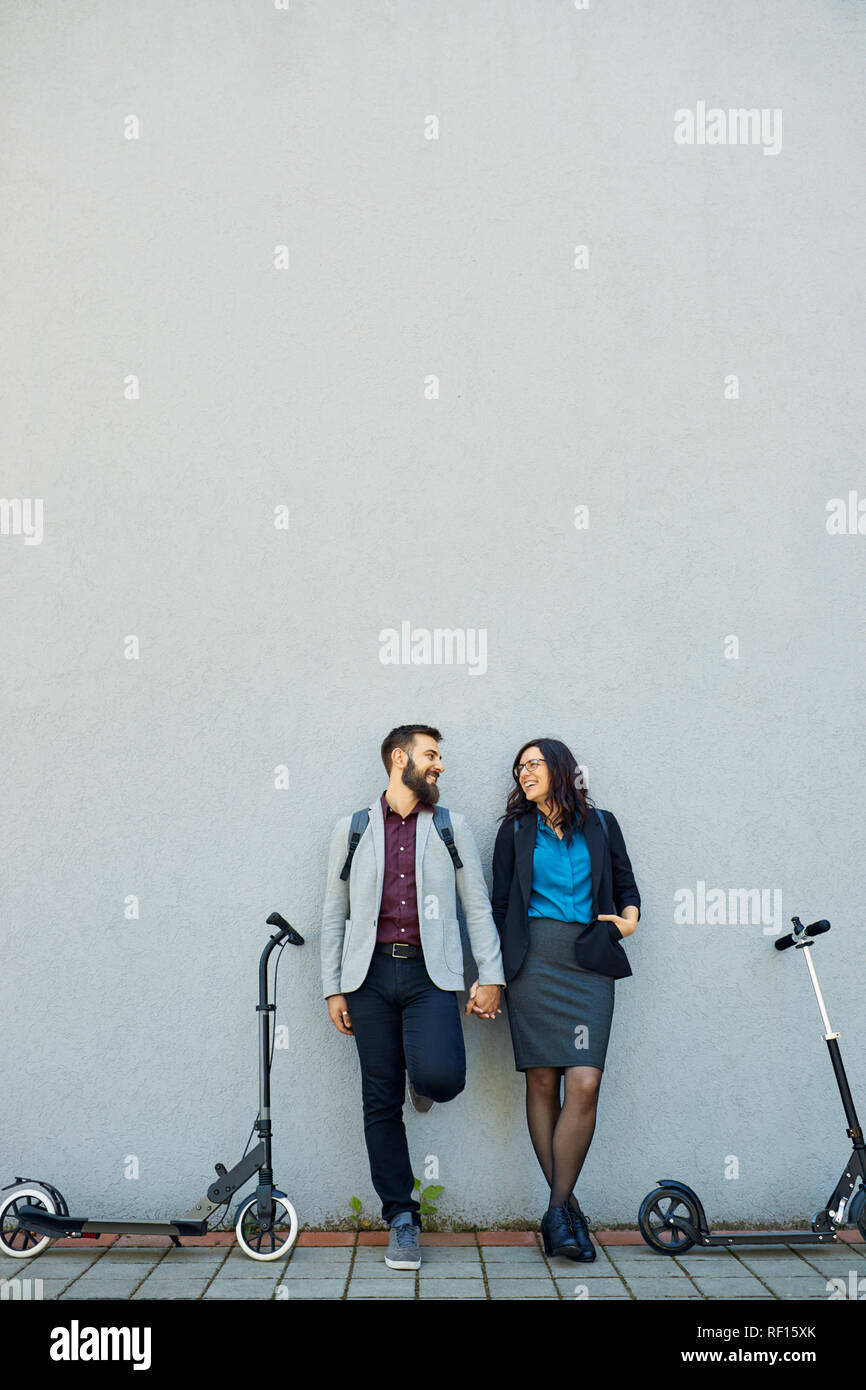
(426, 792)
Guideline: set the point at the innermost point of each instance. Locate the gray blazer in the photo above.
(349, 932)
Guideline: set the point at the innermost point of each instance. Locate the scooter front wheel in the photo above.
(20, 1244)
(266, 1245)
(657, 1220)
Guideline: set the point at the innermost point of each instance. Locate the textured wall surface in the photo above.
(325, 258)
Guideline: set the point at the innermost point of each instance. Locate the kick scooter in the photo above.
(33, 1213)
(671, 1217)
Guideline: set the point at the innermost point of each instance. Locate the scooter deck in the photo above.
(46, 1223)
(762, 1237)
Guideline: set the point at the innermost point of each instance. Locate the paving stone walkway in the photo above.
(490, 1265)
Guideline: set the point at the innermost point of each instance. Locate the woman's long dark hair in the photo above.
(571, 799)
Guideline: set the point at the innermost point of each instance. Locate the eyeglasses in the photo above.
(532, 765)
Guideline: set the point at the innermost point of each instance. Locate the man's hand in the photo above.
(483, 1000)
(340, 1014)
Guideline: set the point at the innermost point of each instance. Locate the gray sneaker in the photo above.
(421, 1103)
(404, 1250)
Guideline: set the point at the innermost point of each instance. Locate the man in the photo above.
(392, 962)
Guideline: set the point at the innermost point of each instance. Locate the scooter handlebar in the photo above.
(294, 937)
(815, 929)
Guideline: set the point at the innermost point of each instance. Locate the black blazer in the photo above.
(613, 888)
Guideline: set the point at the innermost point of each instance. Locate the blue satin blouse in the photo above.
(561, 876)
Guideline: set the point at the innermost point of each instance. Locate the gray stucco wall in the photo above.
(170, 382)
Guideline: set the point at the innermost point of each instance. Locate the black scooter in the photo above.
(671, 1217)
(33, 1213)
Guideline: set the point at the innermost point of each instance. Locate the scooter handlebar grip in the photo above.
(815, 929)
(275, 920)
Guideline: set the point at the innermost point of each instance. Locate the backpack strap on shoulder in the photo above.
(442, 822)
(356, 830)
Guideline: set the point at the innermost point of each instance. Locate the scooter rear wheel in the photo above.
(266, 1245)
(23, 1245)
(657, 1209)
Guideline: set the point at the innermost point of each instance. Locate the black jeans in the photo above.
(402, 1022)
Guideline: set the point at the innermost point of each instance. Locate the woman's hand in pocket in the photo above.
(627, 925)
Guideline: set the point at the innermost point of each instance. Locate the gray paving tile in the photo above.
(367, 1272)
(650, 1286)
(172, 1281)
(52, 1289)
(516, 1254)
(320, 1257)
(600, 1267)
(811, 1288)
(241, 1289)
(186, 1258)
(238, 1260)
(29, 1289)
(625, 1254)
(715, 1263)
(108, 1288)
(202, 1269)
(776, 1251)
(645, 1267)
(769, 1269)
(133, 1255)
(667, 1271)
(309, 1288)
(119, 1270)
(52, 1267)
(452, 1288)
(315, 1270)
(499, 1271)
(731, 1288)
(522, 1288)
(314, 1262)
(455, 1271)
(384, 1288)
(449, 1254)
(833, 1262)
(586, 1290)
(212, 1255)
(169, 1293)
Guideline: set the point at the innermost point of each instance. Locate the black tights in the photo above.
(561, 1131)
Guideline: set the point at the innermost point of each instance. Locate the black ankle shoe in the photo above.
(580, 1231)
(557, 1234)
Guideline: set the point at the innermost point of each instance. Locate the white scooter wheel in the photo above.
(23, 1245)
(266, 1245)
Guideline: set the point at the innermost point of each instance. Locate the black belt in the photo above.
(401, 950)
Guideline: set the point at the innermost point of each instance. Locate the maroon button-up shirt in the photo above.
(398, 910)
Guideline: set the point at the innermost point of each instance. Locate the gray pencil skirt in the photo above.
(559, 1013)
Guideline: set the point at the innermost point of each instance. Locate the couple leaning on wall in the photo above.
(564, 897)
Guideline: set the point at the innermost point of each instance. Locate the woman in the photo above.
(555, 863)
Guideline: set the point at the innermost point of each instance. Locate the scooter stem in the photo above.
(832, 1041)
(818, 995)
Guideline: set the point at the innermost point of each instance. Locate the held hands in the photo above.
(626, 924)
(483, 1000)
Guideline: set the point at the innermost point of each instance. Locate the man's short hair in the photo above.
(404, 737)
